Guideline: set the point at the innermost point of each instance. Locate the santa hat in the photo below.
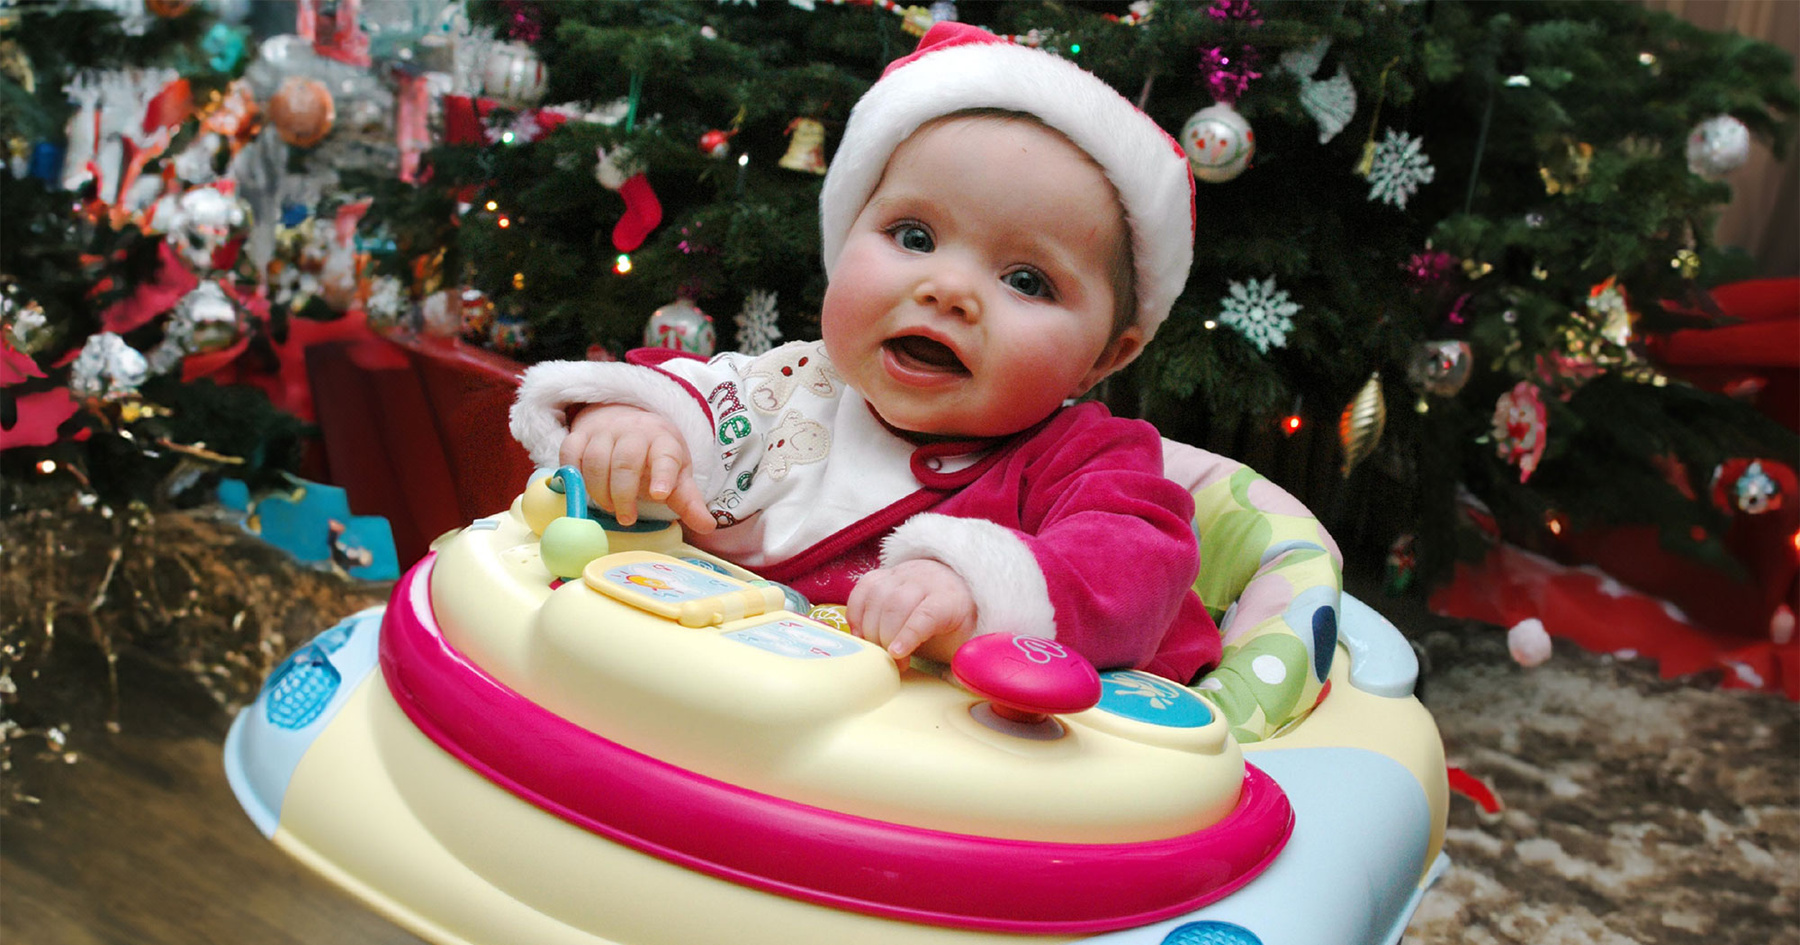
(959, 67)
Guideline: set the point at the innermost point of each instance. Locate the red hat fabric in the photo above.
(958, 67)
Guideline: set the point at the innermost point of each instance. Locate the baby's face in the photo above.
(974, 293)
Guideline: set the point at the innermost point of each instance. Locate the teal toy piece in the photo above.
(313, 523)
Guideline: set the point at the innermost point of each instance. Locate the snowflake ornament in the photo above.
(756, 324)
(1260, 312)
(1398, 169)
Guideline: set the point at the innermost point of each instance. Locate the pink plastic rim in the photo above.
(796, 850)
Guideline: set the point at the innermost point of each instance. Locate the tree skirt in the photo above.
(1593, 610)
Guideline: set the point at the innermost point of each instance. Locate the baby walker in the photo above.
(560, 730)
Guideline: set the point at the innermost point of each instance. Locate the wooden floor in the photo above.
(140, 842)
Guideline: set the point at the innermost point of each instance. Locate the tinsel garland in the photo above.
(86, 584)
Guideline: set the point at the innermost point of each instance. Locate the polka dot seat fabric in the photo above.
(1272, 578)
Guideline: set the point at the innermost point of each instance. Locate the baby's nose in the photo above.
(950, 289)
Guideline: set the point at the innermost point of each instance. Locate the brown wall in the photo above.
(1764, 214)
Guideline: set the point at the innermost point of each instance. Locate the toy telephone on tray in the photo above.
(685, 593)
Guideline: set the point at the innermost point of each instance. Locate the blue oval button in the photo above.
(1211, 932)
(1146, 697)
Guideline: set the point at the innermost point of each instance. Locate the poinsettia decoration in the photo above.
(1519, 428)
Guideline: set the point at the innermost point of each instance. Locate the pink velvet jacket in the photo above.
(1085, 494)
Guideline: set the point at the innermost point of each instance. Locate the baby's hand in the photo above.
(905, 606)
(625, 452)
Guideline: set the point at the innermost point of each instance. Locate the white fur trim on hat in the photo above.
(1011, 595)
(548, 390)
(960, 67)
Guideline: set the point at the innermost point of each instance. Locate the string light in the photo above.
(492, 206)
(622, 264)
(47, 466)
(1210, 324)
(518, 280)
(1292, 423)
(505, 222)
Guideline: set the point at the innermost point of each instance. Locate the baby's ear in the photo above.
(1122, 351)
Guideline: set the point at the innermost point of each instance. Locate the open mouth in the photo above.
(924, 354)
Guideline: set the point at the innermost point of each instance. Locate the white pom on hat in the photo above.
(959, 67)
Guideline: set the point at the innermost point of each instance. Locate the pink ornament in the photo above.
(1429, 268)
(1227, 75)
(1519, 425)
(1528, 642)
(524, 21)
(1243, 11)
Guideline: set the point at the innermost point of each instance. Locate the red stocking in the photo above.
(642, 213)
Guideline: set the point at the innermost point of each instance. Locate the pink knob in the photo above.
(1026, 679)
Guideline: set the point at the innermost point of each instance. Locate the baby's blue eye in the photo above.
(914, 239)
(1026, 282)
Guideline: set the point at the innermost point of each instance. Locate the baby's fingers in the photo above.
(668, 460)
(920, 625)
(879, 606)
(625, 476)
(687, 502)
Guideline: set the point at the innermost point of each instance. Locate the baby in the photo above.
(1002, 230)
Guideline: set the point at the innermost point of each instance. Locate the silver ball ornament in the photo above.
(1718, 146)
(682, 326)
(1440, 367)
(1218, 143)
(513, 75)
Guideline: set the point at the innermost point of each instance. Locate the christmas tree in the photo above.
(1469, 211)
(116, 326)
(1434, 237)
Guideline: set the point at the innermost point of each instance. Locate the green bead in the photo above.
(570, 543)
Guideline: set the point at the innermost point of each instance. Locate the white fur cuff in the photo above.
(548, 390)
(1002, 573)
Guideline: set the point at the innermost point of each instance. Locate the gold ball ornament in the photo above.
(1361, 424)
(302, 111)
